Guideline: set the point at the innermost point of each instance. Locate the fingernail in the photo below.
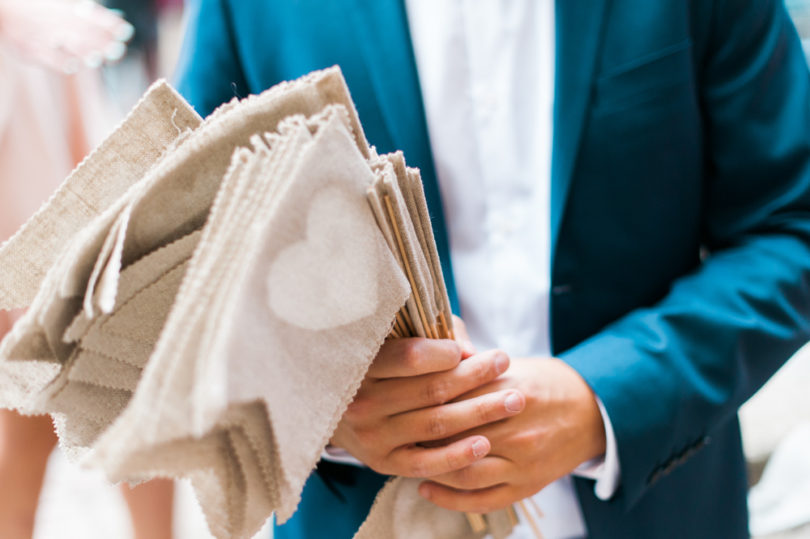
(424, 491)
(513, 403)
(479, 448)
(501, 363)
(93, 60)
(125, 32)
(115, 51)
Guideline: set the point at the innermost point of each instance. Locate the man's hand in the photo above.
(560, 428)
(407, 398)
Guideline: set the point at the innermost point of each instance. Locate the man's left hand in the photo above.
(559, 429)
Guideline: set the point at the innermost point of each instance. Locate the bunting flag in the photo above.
(205, 297)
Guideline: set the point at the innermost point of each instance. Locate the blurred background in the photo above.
(88, 85)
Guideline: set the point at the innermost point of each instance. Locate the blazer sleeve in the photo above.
(669, 374)
(209, 71)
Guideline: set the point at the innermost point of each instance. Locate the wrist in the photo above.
(588, 416)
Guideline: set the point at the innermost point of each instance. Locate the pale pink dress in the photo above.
(48, 122)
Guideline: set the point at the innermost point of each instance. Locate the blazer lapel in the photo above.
(384, 39)
(579, 32)
(381, 27)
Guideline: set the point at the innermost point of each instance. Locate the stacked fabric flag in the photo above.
(205, 297)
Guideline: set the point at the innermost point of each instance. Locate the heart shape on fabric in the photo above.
(330, 278)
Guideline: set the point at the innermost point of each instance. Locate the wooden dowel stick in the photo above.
(477, 522)
(429, 330)
(406, 328)
(400, 328)
(512, 514)
(407, 317)
(537, 510)
(448, 327)
(396, 325)
(407, 265)
(529, 517)
(441, 329)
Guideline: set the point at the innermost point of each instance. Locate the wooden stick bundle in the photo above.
(398, 202)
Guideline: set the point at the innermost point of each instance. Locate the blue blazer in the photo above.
(680, 219)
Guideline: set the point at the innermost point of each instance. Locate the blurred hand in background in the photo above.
(64, 35)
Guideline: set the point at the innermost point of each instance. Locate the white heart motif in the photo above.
(330, 278)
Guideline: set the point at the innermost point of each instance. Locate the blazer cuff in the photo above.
(605, 469)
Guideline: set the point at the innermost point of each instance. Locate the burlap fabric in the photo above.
(120, 161)
(31, 355)
(212, 310)
(301, 312)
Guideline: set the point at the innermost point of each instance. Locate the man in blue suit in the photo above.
(679, 240)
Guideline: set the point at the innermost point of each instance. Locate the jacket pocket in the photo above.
(652, 77)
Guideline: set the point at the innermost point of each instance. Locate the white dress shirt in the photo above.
(486, 69)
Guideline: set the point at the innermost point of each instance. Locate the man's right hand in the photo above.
(405, 400)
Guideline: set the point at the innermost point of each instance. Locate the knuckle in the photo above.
(367, 438)
(350, 416)
(453, 461)
(483, 371)
(530, 438)
(438, 391)
(454, 351)
(412, 354)
(419, 468)
(437, 424)
(357, 411)
(484, 411)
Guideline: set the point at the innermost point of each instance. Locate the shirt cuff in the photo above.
(340, 456)
(604, 469)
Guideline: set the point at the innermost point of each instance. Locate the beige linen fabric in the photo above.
(421, 220)
(422, 308)
(399, 512)
(133, 280)
(112, 374)
(213, 311)
(120, 161)
(153, 127)
(406, 186)
(313, 247)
